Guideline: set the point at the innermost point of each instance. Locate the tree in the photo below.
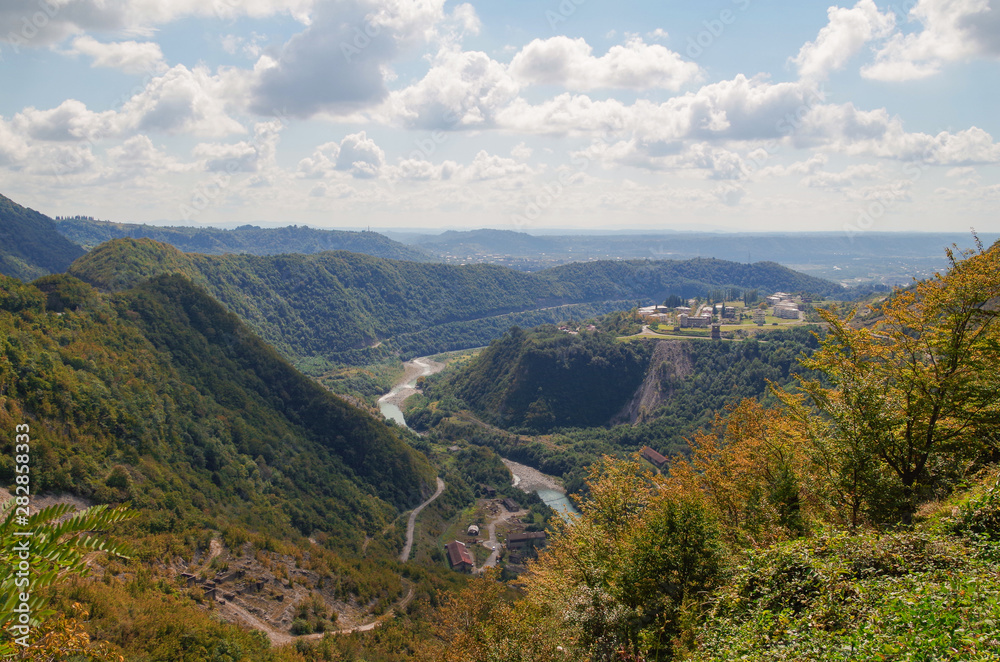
(911, 395)
(55, 548)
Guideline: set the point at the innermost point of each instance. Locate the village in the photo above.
(499, 527)
(722, 319)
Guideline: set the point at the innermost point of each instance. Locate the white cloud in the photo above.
(251, 47)
(490, 166)
(729, 194)
(70, 121)
(14, 149)
(521, 151)
(952, 30)
(843, 179)
(360, 156)
(357, 155)
(422, 171)
(254, 156)
(186, 100)
(39, 23)
(139, 160)
(739, 109)
(966, 176)
(462, 90)
(132, 57)
(570, 63)
(339, 63)
(846, 129)
(847, 31)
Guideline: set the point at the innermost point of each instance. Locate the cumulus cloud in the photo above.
(422, 171)
(70, 121)
(738, 109)
(132, 57)
(952, 30)
(462, 90)
(253, 156)
(338, 64)
(38, 23)
(846, 129)
(847, 31)
(570, 63)
(186, 100)
(137, 159)
(357, 155)
(490, 166)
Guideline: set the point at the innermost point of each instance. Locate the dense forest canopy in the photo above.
(591, 395)
(343, 306)
(30, 246)
(158, 395)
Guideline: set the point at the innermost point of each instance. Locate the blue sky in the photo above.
(561, 114)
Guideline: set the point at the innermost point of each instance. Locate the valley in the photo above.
(336, 455)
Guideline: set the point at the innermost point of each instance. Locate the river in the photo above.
(413, 370)
(526, 478)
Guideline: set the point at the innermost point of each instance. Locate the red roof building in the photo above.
(459, 556)
(653, 457)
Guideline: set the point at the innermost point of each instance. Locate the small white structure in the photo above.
(786, 311)
(473, 530)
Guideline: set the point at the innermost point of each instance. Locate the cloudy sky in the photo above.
(777, 115)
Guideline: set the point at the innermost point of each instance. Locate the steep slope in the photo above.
(244, 239)
(546, 378)
(30, 245)
(332, 304)
(160, 396)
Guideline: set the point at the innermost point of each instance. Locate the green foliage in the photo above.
(911, 403)
(907, 596)
(339, 306)
(696, 380)
(159, 396)
(30, 245)
(548, 378)
(55, 548)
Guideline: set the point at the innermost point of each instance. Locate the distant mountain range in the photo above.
(245, 239)
(889, 258)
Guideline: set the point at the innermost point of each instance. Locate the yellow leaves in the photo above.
(752, 472)
(908, 397)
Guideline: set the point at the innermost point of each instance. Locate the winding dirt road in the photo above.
(404, 556)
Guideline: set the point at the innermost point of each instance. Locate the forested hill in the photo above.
(244, 239)
(662, 390)
(330, 304)
(30, 245)
(158, 396)
(687, 278)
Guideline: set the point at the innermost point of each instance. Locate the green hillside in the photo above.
(244, 239)
(686, 278)
(545, 378)
(159, 396)
(30, 245)
(331, 305)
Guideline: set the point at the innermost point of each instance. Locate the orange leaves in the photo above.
(752, 471)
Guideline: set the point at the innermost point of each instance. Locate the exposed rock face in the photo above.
(669, 364)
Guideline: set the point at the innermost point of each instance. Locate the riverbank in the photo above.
(549, 489)
(407, 386)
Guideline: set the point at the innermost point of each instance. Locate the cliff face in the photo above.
(668, 365)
